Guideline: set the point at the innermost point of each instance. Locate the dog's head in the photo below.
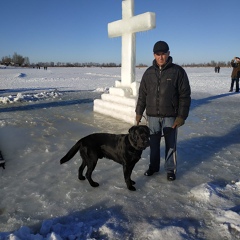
(139, 137)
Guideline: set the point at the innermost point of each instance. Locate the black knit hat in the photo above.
(160, 46)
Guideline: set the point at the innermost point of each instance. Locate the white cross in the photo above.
(127, 28)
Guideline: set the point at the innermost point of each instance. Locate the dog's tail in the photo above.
(71, 152)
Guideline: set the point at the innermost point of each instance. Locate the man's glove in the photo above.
(138, 119)
(178, 122)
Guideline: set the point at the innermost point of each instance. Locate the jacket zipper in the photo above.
(158, 89)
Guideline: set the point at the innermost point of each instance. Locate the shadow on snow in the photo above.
(87, 224)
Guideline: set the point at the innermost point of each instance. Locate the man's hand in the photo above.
(178, 122)
(138, 119)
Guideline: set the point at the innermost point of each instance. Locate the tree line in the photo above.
(19, 60)
(15, 60)
(211, 64)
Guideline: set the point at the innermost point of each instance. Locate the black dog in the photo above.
(125, 149)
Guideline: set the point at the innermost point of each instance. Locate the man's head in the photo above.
(161, 52)
(237, 59)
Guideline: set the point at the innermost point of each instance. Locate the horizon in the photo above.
(59, 31)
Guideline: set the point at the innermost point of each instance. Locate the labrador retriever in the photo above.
(125, 149)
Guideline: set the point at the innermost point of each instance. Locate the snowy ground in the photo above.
(43, 113)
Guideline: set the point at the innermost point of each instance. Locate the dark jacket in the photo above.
(165, 92)
(236, 70)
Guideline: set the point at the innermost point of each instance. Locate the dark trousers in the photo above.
(237, 84)
(157, 127)
(155, 152)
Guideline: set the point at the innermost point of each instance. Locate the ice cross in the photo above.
(127, 28)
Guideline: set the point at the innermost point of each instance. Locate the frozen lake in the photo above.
(43, 114)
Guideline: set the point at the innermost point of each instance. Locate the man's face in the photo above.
(161, 58)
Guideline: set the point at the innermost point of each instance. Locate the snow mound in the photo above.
(229, 220)
(2, 66)
(21, 75)
(54, 230)
(209, 192)
(203, 192)
(30, 97)
(105, 90)
(218, 197)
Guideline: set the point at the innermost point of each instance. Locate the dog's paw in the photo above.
(132, 188)
(2, 165)
(94, 184)
(81, 178)
(132, 182)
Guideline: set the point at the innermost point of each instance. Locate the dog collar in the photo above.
(131, 142)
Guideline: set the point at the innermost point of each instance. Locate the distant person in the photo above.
(164, 93)
(235, 63)
(217, 69)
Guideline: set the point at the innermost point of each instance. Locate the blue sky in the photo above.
(76, 30)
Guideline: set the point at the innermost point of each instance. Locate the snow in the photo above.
(43, 114)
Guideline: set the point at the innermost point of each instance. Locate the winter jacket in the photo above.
(165, 92)
(236, 70)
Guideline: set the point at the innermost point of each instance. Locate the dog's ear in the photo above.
(132, 129)
(132, 134)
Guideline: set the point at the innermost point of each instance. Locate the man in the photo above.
(235, 63)
(165, 94)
